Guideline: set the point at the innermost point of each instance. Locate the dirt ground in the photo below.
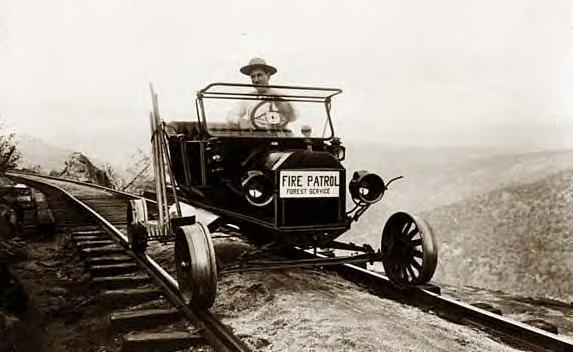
(315, 310)
(62, 314)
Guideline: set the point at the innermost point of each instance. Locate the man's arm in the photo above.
(286, 109)
(237, 113)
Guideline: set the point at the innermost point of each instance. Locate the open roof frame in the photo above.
(289, 93)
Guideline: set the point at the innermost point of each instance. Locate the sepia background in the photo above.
(471, 101)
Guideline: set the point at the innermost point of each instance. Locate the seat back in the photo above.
(189, 129)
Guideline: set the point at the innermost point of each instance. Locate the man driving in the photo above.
(266, 112)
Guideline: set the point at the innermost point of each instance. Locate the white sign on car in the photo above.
(309, 184)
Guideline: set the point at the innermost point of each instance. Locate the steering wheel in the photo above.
(271, 118)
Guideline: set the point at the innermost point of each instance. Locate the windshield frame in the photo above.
(315, 95)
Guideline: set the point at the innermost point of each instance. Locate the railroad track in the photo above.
(141, 294)
(109, 209)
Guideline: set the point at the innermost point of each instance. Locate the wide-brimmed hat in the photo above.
(257, 62)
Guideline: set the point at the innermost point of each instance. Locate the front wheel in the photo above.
(409, 251)
(196, 265)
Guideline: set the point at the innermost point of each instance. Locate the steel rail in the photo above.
(452, 309)
(17, 173)
(214, 332)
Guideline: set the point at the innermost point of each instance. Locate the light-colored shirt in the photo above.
(240, 115)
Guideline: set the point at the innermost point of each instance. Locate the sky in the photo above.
(488, 73)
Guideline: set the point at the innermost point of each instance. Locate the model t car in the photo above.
(273, 171)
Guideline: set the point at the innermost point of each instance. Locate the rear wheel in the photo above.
(409, 252)
(137, 236)
(196, 265)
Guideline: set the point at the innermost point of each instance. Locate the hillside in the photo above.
(435, 177)
(517, 239)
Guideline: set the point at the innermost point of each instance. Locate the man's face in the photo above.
(260, 77)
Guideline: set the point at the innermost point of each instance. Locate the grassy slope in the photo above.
(518, 239)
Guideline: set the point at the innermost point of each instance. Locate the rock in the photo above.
(543, 325)
(261, 343)
(256, 288)
(56, 291)
(79, 167)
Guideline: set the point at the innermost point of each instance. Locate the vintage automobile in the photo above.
(266, 160)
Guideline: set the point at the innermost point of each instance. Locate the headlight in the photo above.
(339, 153)
(337, 149)
(366, 187)
(258, 188)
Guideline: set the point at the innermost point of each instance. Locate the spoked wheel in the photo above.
(196, 265)
(136, 231)
(409, 252)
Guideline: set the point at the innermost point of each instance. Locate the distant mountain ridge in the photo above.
(36, 152)
(443, 175)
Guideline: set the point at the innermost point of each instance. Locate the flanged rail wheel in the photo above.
(137, 237)
(196, 265)
(136, 231)
(409, 251)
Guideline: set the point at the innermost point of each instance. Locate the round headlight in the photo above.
(337, 149)
(366, 187)
(339, 153)
(258, 189)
